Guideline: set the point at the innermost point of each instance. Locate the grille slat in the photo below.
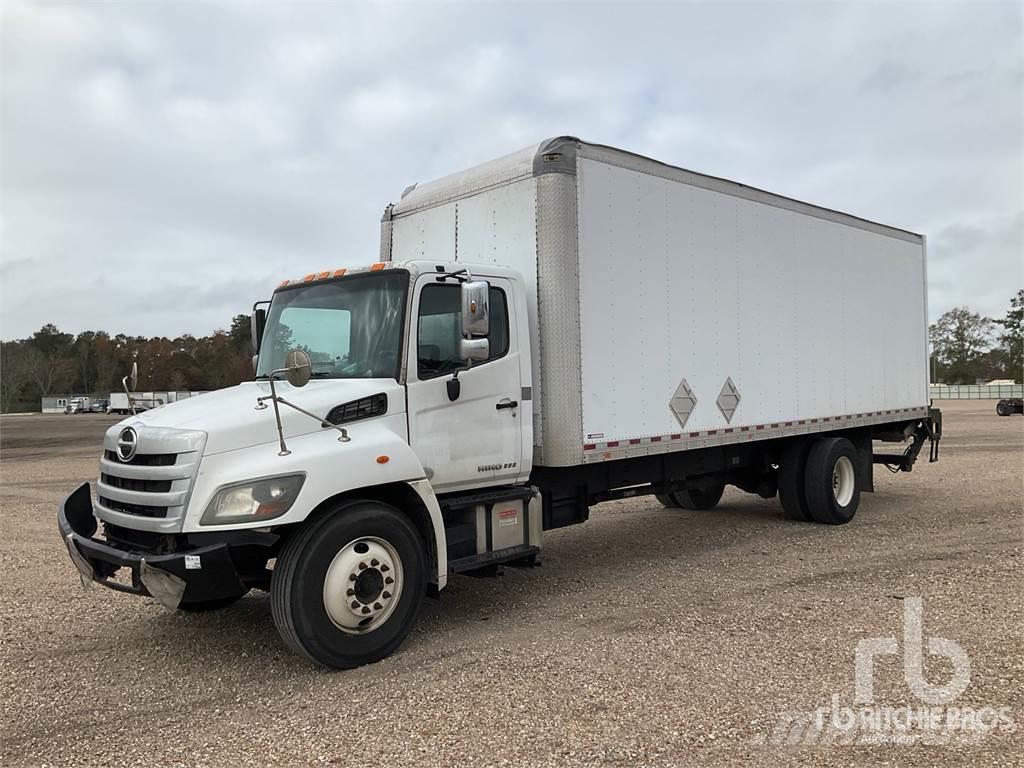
(145, 459)
(133, 509)
(131, 484)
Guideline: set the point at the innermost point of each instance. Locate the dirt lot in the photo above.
(649, 636)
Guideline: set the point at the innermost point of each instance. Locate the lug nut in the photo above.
(355, 604)
(350, 592)
(385, 568)
(366, 609)
(377, 606)
(351, 577)
(362, 566)
(375, 562)
(389, 580)
(385, 595)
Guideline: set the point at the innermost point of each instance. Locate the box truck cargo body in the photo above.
(563, 326)
(671, 310)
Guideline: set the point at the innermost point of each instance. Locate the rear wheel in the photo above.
(1003, 408)
(831, 482)
(699, 498)
(791, 482)
(347, 589)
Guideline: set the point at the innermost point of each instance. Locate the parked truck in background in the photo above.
(563, 326)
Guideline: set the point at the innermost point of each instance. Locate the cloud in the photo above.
(164, 165)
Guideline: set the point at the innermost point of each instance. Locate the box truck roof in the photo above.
(561, 155)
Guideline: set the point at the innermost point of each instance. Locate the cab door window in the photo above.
(440, 328)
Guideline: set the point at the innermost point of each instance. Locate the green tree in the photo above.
(14, 372)
(959, 338)
(1012, 337)
(241, 336)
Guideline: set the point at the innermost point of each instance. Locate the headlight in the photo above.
(253, 500)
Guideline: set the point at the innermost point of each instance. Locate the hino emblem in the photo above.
(127, 443)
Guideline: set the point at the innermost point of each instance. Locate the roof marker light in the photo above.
(378, 266)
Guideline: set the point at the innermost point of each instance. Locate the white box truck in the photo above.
(563, 326)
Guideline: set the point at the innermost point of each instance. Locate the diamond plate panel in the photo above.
(728, 400)
(682, 403)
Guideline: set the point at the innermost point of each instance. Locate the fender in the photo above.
(377, 454)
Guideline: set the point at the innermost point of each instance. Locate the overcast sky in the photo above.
(163, 165)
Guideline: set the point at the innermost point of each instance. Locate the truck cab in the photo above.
(407, 442)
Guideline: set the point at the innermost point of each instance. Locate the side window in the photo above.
(439, 330)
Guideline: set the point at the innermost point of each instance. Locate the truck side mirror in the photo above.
(476, 316)
(257, 324)
(476, 320)
(476, 350)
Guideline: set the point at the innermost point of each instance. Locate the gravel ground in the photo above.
(649, 636)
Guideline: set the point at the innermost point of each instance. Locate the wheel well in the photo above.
(400, 496)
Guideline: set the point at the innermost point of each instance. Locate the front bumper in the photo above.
(190, 575)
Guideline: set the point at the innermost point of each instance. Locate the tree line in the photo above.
(966, 348)
(51, 362)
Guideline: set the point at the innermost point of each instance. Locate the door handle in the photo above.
(507, 404)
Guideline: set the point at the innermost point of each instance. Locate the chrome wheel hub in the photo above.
(363, 585)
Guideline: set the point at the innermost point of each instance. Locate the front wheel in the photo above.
(347, 589)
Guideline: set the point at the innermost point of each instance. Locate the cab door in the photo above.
(474, 440)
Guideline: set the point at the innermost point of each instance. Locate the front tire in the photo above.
(831, 481)
(347, 588)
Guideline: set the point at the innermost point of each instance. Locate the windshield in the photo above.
(350, 328)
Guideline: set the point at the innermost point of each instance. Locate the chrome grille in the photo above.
(149, 492)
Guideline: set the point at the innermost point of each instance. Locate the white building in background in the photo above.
(56, 403)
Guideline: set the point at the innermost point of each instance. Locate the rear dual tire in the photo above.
(819, 481)
(347, 588)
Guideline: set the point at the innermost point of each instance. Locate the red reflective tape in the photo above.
(634, 441)
(728, 431)
(613, 444)
(695, 434)
(712, 432)
(759, 427)
(589, 447)
(744, 429)
(775, 426)
(675, 437)
(789, 423)
(655, 439)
